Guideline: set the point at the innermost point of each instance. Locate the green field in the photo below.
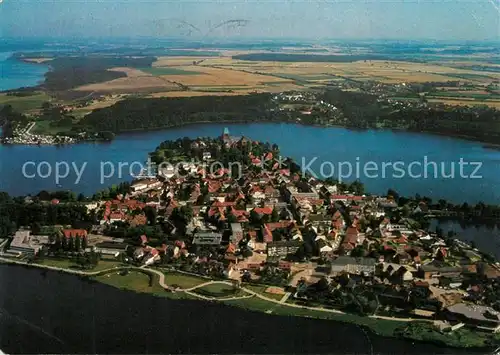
(140, 282)
(157, 71)
(133, 281)
(72, 264)
(44, 127)
(452, 94)
(182, 280)
(24, 103)
(219, 290)
(380, 326)
(261, 289)
(462, 337)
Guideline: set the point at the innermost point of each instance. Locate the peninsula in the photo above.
(261, 235)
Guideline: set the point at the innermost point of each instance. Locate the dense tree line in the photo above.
(70, 72)
(140, 114)
(9, 119)
(367, 112)
(16, 212)
(358, 110)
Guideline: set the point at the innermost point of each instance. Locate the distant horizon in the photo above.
(208, 40)
(430, 20)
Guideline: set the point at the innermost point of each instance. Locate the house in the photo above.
(146, 184)
(481, 317)
(430, 271)
(283, 248)
(26, 243)
(207, 238)
(353, 265)
(401, 275)
(207, 156)
(111, 248)
(351, 239)
(236, 232)
(152, 256)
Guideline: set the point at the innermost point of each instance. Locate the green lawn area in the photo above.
(139, 282)
(24, 103)
(157, 71)
(61, 263)
(133, 280)
(71, 264)
(173, 278)
(261, 289)
(44, 127)
(380, 326)
(462, 337)
(219, 290)
(254, 304)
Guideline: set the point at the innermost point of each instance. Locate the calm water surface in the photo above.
(333, 145)
(485, 238)
(15, 74)
(48, 312)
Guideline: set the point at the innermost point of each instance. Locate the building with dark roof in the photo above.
(353, 265)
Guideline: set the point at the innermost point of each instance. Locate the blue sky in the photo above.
(311, 19)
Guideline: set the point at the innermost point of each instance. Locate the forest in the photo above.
(70, 72)
(358, 110)
(143, 114)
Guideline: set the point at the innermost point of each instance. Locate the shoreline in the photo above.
(374, 324)
(466, 138)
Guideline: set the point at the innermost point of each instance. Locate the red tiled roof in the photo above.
(421, 284)
(346, 197)
(263, 210)
(268, 234)
(82, 233)
(231, 248)
(217, 203)
(352, 232)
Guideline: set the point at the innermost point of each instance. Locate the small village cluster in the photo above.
(324, 243)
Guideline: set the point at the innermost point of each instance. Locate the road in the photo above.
(31, 125)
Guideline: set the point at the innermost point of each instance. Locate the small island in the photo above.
(261, 235)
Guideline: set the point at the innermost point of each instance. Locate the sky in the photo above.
(304, 19)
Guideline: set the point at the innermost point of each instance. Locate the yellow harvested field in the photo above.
(183, 76)
(101, 104)
(384, 71)
(193, 93)
(130, 85)
(177, 61)
(221, 77)
(135, 82)
(131, 72)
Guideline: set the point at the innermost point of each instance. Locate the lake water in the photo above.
(48, 312)
(326, 144)
(486, 239)
(15, 74)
